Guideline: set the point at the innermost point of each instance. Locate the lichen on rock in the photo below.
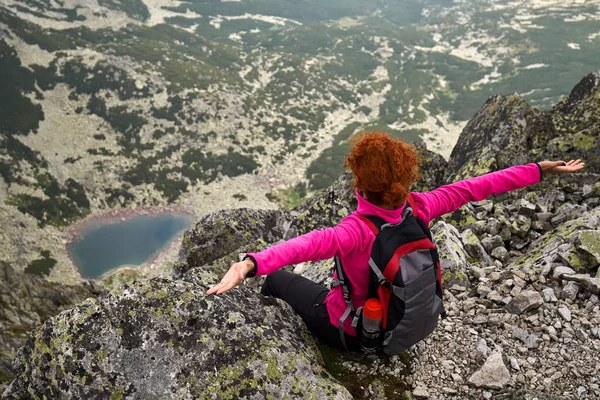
(167, 339)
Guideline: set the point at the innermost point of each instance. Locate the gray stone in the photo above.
(514, 363)
(490, 243)
(482, 348)
(421, 392)
(549, 296)
(569, 291)
(520, 226)
(589, 284)
(543, 216)
(526, 208)
(588, 241)
(473, 245)
(483, 290)
(587, 191)
(565, 313)
(492, 227)
(518, 243)
(500, 253)
(26, 302)
(542, 226)
(453, 256)
(560, 271)
(492, 375)
(525, 301)
(529, 340)
(477, 272)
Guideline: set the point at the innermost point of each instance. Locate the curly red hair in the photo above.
(383, 168)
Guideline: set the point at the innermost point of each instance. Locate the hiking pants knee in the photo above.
(307, 298)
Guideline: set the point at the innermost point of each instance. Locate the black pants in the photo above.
(307, 298)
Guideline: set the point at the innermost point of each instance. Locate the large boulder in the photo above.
(497, 137)
(169, 340)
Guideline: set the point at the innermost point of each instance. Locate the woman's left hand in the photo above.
(236, 274)
(561, 167)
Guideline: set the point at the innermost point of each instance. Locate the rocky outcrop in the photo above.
(498, 136)
(508, 131)
(521, 293)
(26, 301)
(167, 339)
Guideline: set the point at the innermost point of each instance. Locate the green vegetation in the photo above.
(65, 203)
(357, 383)
(41, 266)
(133, 8)
(289, 198)
(18, 115)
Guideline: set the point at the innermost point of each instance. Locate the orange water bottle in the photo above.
(371, 326)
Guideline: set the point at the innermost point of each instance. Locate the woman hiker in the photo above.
(383, 169)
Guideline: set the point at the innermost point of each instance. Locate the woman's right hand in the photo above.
(561, 167)
(236, 275)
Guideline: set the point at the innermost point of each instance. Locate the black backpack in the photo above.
(405, 276)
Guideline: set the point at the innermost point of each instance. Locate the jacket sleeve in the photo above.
(313, 246)
(449, 198)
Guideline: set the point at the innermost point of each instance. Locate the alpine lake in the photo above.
(103, 246)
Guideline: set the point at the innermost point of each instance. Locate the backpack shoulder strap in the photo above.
(411, 202)
(373, 222)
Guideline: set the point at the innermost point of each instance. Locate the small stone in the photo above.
(542, 226)
(549, 296)
(482, 348)
(562, 270)
(519, 282)
(589, 284)
(529, 340)
(558, 324)
(500, 253)
(543, 216)
(589, 242)
(492, 242)
(525, 301)
(565, 313)
(483, 290)
(514, 363)
(515, 291)
(551, 330)
(569, 292)
(421, 393)
(477, 272)
(492, 375)
(526, 208)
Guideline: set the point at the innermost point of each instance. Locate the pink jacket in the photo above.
(351, 239)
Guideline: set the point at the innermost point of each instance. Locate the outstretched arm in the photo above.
(449, 198)
(313, 246)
